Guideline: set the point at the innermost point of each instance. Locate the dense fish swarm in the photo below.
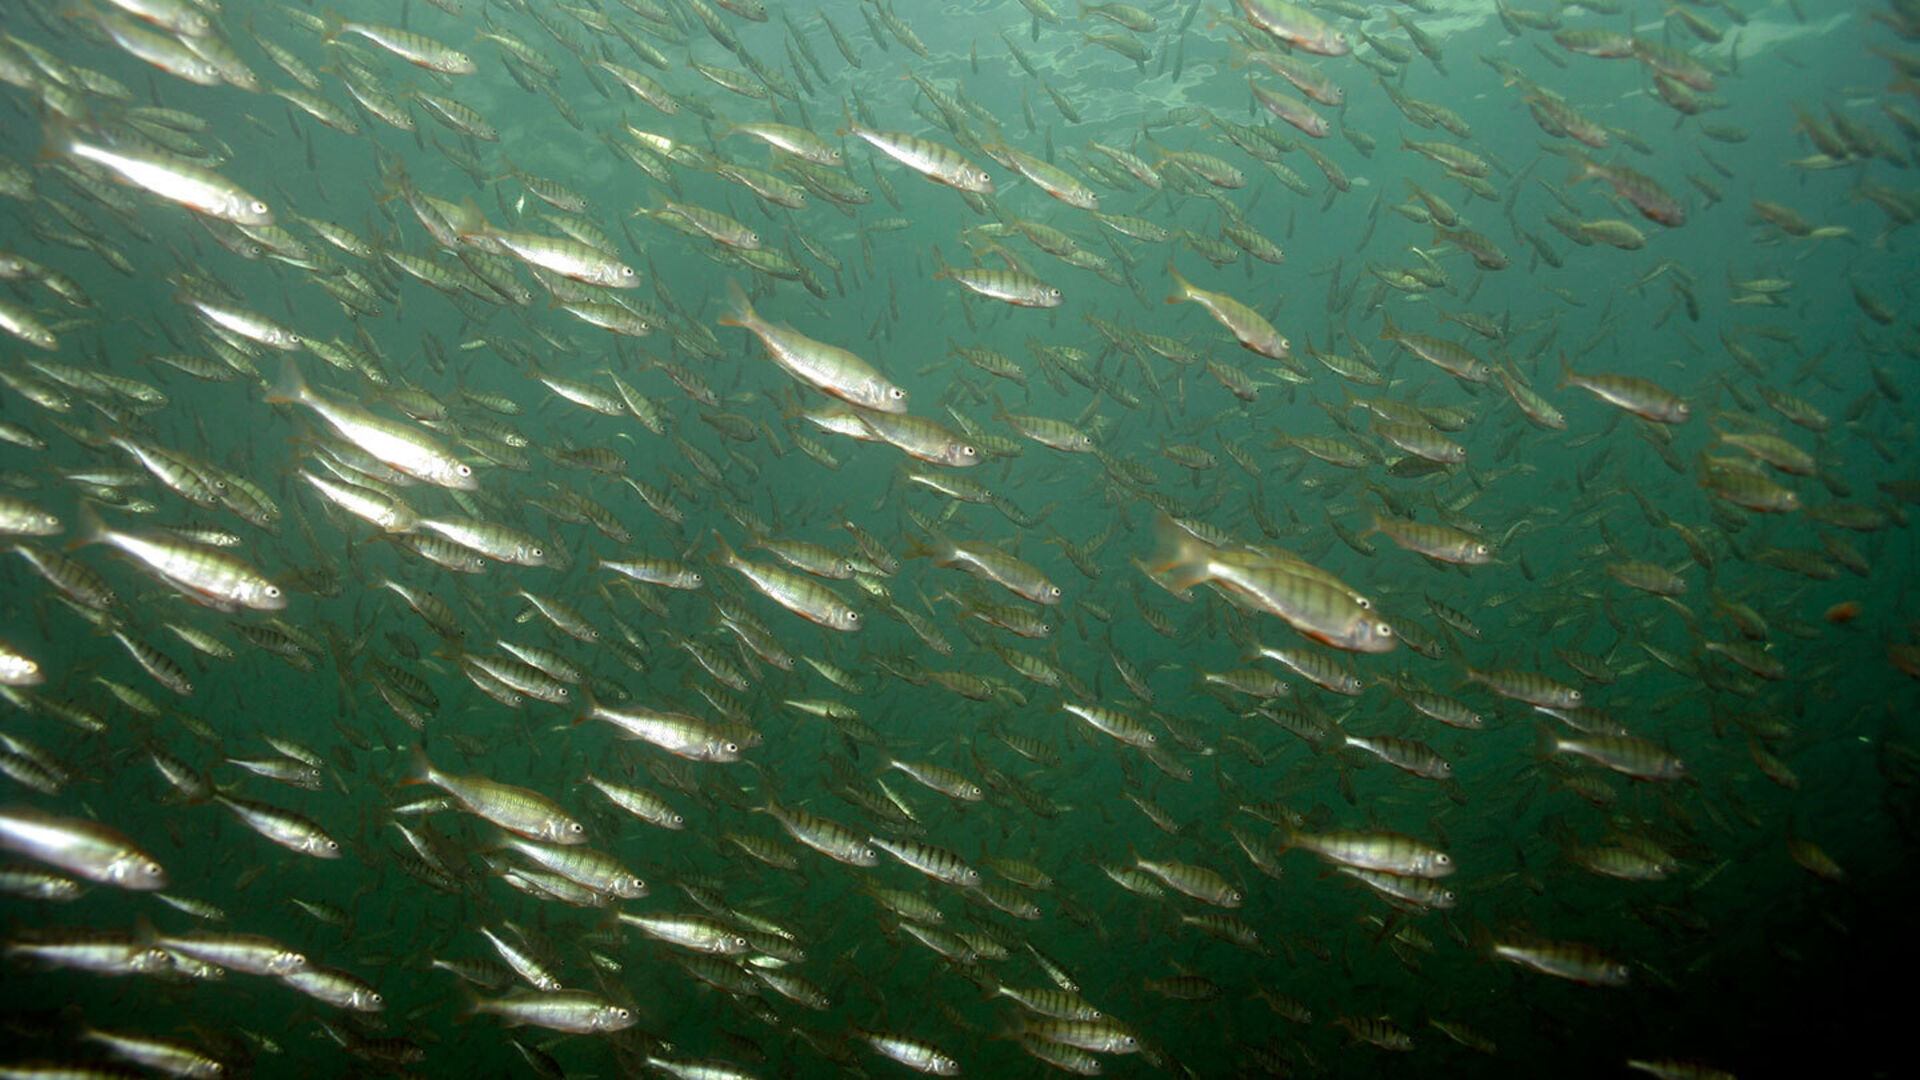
(741, 538)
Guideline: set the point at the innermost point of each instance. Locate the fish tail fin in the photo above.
(1545, 742)
(422, 768)
(468, 221)
(739, 309)
(589, 705)
(724, 555)
(57, 135)
(92, 529)
(1567, 374)
(469, 1004)
(1182, 289)
(1287, 839)
(1388, 331)
(290, 386)
(1179, 561)
(1000, 412)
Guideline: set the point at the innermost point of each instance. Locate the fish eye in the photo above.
(257, 206)
(853, 616)
(1152, 738)
(1234, 895)
(1446, 896)
(621, 1013)
(896, 393)
(738, 942)
(575, 827)
(1382, 630)
(697, 579)
(535, 551)
(1442, 859)
(626, 271)
(1574, 696)
(560, 691)
(754, 236)
(1046, 628)
(730, 747)
(151, 869)
(869, 853)
(271, 590)
(968, 451)
(637, 884)
(1482, 549)
(1053, 590)
(676, 819)
(463, 470)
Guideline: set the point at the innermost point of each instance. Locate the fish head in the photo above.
(1371, 636)
(150, 960)
(960, 455)
(612, 1018)
(264, 597)
(286, 962)
(882, 396)
(136, 871)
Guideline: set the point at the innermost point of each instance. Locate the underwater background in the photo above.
(1727, 587)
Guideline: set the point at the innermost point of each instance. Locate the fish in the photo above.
(516, 809)
(467, 286)
(1253, 332)
(207, 575)
(825, 367)
(84, 848)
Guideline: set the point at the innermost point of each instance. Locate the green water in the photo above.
(1740, 959)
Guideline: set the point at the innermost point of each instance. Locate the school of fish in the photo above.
(741, 538)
